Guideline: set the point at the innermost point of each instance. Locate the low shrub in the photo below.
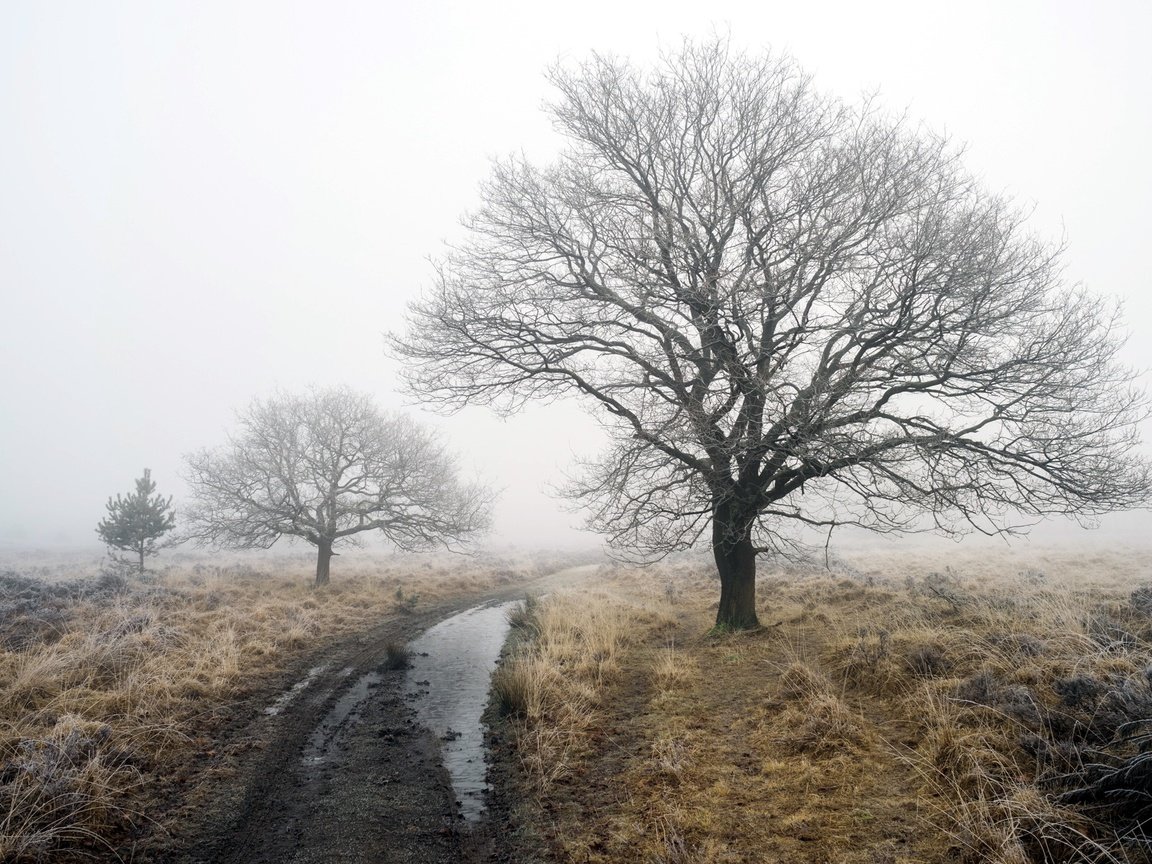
(523, 618)
(396, 656)
(66, 787)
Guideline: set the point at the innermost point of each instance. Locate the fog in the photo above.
(202, 203)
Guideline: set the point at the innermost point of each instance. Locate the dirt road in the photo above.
(340, 772)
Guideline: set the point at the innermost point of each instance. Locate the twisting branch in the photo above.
(766, 293)
(326, 467)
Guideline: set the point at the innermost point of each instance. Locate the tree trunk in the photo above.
(736, 562)
(323, 559)
(141, 550)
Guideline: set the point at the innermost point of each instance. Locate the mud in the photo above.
(341, 770)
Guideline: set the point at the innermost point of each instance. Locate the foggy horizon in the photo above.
(208, 205)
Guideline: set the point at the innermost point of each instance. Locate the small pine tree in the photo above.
(134, 523)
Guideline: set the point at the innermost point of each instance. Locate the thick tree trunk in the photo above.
(736, 562)
(323, 560)
(141, 551)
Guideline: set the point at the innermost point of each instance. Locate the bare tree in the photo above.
(787, 310)
(325, 467)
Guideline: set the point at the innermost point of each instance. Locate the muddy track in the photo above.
(365, 786)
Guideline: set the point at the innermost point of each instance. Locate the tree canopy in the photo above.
(787, 310)
(327, 466)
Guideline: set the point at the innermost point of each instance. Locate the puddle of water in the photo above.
(450, 675)
(285, 698)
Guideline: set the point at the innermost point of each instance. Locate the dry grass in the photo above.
(813, 718)
(552, 684)
(994, 708)
(108, 686)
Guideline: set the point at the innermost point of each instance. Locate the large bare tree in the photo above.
(327, 466)
(786, 309)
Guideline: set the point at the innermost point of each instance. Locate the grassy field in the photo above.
(919, 707)
(113, 690)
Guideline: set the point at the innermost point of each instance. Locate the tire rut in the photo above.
(368, 787)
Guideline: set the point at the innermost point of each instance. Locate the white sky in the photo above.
(201, 202)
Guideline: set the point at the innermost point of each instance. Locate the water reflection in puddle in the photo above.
(451, 667)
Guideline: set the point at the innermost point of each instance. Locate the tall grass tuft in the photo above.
(549, 686)
(522, 617)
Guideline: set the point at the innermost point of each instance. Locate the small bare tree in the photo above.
(325, 467)
(787, 310)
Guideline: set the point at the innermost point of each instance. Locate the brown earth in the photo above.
(701, 748)
(833, 734)
(892, 710)
(377, 794)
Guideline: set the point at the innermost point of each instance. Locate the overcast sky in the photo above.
(202, 202)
